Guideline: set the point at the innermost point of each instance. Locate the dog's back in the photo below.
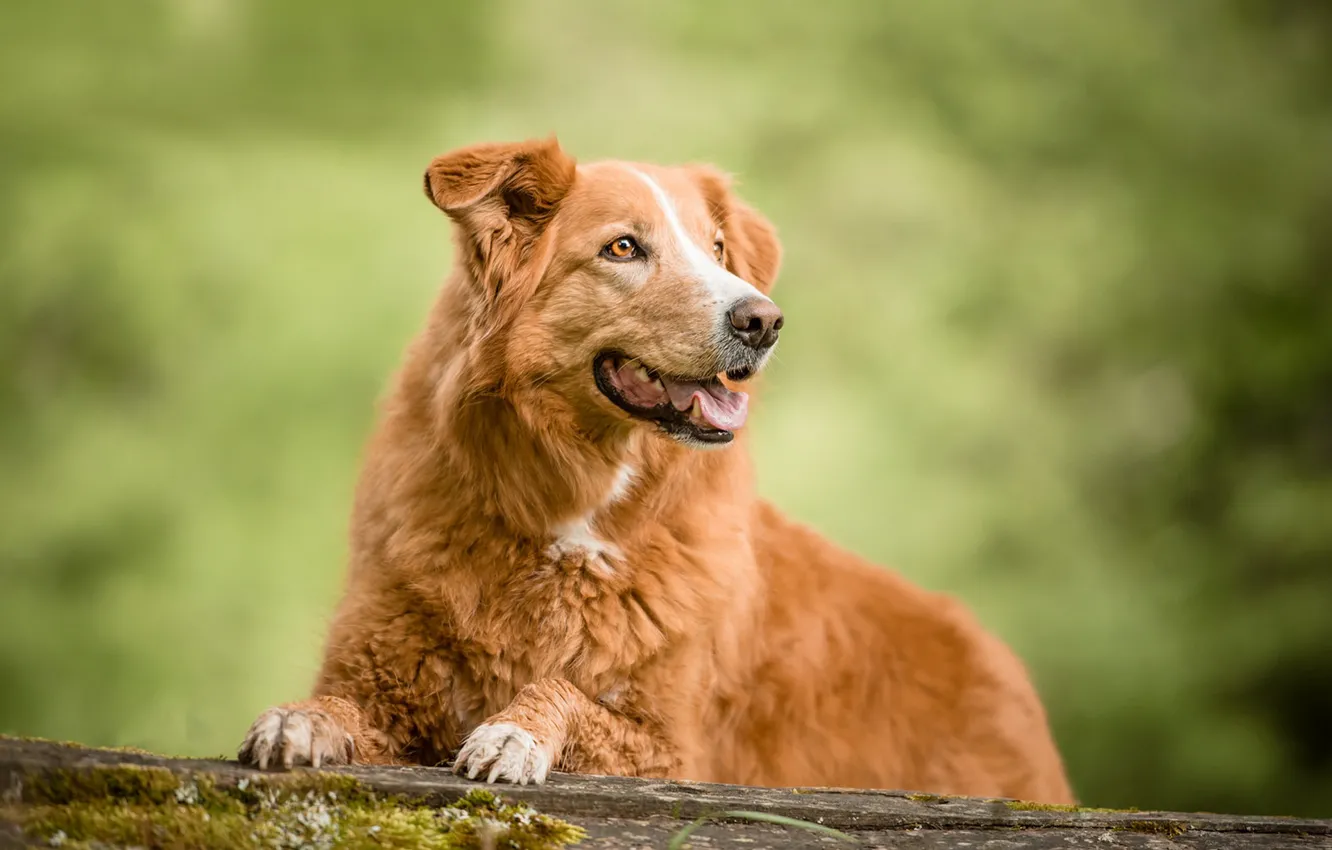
(869, 681)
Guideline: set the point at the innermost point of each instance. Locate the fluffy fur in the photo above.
(576, 590)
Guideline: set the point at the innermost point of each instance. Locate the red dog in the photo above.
(559, 562)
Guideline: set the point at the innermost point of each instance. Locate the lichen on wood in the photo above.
(152, 807)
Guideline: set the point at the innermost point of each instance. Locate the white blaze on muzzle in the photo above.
(723, 288)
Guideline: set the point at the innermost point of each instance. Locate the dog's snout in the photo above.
(756, 321)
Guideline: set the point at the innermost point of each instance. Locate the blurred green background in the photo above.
(1060, 332)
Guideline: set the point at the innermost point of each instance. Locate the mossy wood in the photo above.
(79, 796)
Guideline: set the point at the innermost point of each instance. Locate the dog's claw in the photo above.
(509, 752)
(291, 737)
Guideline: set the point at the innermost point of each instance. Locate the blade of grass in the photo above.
(678, 840)
(793, 822)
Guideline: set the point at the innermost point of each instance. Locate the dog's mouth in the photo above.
(700, 409)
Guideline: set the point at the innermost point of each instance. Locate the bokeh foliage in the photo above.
(1060, 332)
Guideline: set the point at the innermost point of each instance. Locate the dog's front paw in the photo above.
(510, 752)
(296, 736)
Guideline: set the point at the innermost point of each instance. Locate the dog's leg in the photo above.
(551, 723)
(320, 731)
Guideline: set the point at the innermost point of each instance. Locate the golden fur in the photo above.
(571, 588)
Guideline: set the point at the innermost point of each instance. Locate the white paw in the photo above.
(291, 737)
(509, 751)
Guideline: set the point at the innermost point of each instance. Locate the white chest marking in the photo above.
(576, 540)
(623, 483)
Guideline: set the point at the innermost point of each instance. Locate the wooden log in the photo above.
(638, 813)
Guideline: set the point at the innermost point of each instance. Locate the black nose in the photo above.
(756, 322)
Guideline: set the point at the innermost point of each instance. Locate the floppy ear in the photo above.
(752, 249)
(502, 197)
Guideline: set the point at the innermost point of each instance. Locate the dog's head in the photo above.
(618, 294)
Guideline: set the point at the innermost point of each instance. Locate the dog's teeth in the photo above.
(643, 375)
(696, 411)
(656, 382)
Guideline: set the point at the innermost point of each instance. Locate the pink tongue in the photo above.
(722, 409)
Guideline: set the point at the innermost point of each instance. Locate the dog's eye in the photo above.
(718, 250)
(623, 248)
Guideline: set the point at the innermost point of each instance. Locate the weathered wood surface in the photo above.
(637, 813)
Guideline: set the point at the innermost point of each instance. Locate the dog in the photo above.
(558, 560)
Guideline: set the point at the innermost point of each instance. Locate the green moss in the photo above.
(484, 820)
(147, 785)
(1168, 828)
(152, 807)
(1026, 806)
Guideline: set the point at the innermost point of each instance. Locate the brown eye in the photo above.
(623, 248)
(718, 250)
